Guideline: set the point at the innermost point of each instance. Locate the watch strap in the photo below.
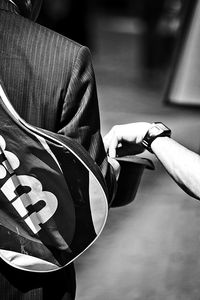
(150, 136)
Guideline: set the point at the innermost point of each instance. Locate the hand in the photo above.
(125, 139)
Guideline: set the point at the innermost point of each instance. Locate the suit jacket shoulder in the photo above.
(36, 67)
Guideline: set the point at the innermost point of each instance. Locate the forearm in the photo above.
(182, 164)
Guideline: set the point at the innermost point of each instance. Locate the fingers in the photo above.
(125, 139)
(120, 141)
(111, 142)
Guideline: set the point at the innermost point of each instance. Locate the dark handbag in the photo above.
(53, 198)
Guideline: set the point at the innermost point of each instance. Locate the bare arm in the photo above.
(182, 164)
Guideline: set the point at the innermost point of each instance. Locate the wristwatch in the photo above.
(157, 129)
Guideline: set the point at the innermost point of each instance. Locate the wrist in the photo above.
(159, 143)
(156, 130)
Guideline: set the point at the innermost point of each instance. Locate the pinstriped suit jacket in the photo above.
(50, 82)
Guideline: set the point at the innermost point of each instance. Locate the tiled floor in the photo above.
(149, 249)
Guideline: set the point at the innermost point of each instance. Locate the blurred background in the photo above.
(145, 56)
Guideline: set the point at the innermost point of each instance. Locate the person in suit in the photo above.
(50, 82)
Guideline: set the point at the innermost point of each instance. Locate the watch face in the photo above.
(155, 130)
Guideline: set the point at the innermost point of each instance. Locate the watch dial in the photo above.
(155, 131)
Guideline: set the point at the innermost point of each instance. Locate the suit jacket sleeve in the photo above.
(80, 118)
